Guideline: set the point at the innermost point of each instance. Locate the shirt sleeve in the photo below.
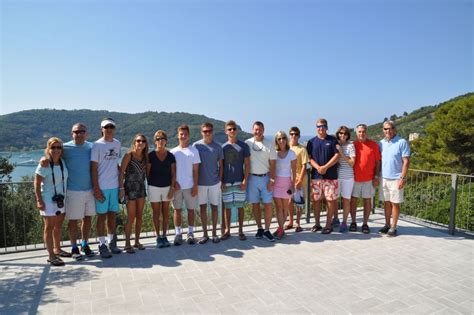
(309, 148)
(273, 153)
(292, 155)
(405, 148)
(352, 152)
(95, 153)
(304, 156)
(41, 171)
(197, 158)
(246, 150)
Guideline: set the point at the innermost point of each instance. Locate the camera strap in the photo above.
(51, 163)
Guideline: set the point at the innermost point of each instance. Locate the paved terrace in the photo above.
(420, 271)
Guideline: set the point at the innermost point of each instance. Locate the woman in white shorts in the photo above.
(345, 172)
(50, 193)
(285, 176)
(161, 170)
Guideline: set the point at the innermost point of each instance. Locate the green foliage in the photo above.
(447, 145)
(31, 128)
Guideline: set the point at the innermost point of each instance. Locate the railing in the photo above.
(444, 199)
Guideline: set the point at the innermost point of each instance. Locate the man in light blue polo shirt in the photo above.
(395, 161)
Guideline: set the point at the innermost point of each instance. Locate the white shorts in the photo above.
(80, 204)
(184, 195)
(158, 194)
(390, 191)
(211, 194)
(363, 189)
(51, 209)
(345, 188)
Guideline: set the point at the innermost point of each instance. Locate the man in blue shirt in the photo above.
(80, 202)
(395, 161)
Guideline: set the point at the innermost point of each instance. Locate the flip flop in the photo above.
(139, 246)
(56, 262)
(216, 239)
(316, 228)
(242, 237)
(203, 240)
(327, 231)
(64, 254)
(129, 249)
(288, 226)
(299, 229)
(225, 236)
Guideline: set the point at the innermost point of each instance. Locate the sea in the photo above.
(25, 162)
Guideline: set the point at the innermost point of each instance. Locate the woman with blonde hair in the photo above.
(132, 188)
(284, 185)
(50, 193)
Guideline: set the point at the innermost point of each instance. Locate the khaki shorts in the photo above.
(390, 191)
(210, 194)
(80, 204)
(363, 189)
(184, 195)
(158, 194)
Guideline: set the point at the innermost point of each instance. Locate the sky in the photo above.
(282, 62)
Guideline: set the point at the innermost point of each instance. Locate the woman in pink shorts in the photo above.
(284, 180)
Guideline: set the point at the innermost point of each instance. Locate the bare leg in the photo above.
(156, 209)
(268, 215)
(177, 218)
(330, 213)
(48, 235)
(101, 225)
(395, 214)
(353, 209)
(204, 219)
(215, 217)
(387, 205)
(72, 229)
(111, 222)
(58, 222)
(367, 209)
(165, 212)
(257, 214)
(131, 211)
(227, 214)
(346, 207)
(290, 213)
(279, 211)
(317, 212)
(241, 220)
(191, 217)
(86, 227)
(139, 219)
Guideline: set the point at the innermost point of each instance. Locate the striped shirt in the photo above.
(345, 171)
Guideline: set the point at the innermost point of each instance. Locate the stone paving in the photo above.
(420, 271)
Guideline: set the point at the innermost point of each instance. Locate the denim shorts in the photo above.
(257, 189)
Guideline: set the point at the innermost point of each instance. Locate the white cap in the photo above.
(107, 121)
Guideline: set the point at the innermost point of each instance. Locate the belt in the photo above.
(260, 175)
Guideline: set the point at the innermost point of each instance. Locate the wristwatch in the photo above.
(272, 180)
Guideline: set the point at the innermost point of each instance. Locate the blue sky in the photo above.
(283, 62)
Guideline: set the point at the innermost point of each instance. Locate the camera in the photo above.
(59, 199)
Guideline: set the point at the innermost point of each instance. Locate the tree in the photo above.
(6, 168)
(448, 142)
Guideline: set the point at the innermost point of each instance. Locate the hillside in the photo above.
(415, 121)
(29, 129)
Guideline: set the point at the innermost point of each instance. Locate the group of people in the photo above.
(79, 179)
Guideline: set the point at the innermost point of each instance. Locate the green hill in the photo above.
(30, 129)
(414, 122)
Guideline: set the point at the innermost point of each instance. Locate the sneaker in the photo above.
(178, 240)
(353, 227)
(280, 233)
(335, 222)
(104, 251)
(88, 251)
(113, 246)
(343, 228)
(159, 242)
(259, 233)
(76, 254)
(166, 243)
(190, 239)
(269, 236)
(392, 232)
(384, 230)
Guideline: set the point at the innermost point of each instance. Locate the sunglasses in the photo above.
(280, 139)
(294, 134)
(207, 131)
(109, 127)
(342, 133)
(56, 147)
(79, 131)
(140, 141)
(231, 129)
(322, 126)
(160, 139)
(386, 129)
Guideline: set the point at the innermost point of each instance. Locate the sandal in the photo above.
(139, 246)
(316, 228)
(242, 237)
(288, 226)
(56, 262)
(299, 229)
(129, 249)
(353, 227)
(327, 230)
(225, 236)
(63, 254)
(203, 240)
(365, 229)
(216, 239)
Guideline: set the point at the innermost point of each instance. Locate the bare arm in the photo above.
(243, 186)
(173, 180)
(123, 168)
(39, 198)
(95, 181)
(406, 164)
(194, 191)
(293, 172)
(272, 175)
(376, 180)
